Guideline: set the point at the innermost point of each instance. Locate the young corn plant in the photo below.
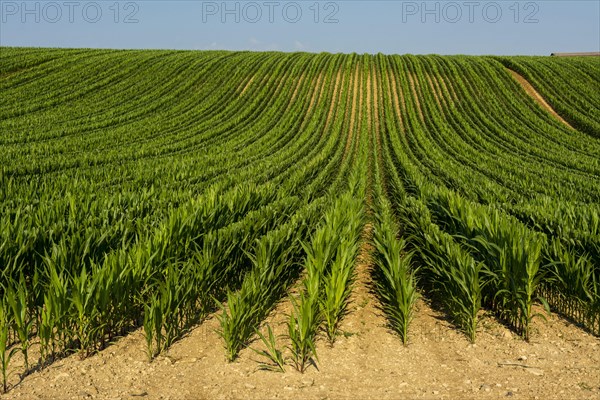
(104, 297)
(516, 278)
(570, 283)
(275, 256)
(306, 317)
(330, 260)
(394, 276)
(82, 301)
(55, 314)
(153, 327)
(337, 287)
(5, 354)
(172, 294)
(239, 319)
(271, 352)
(396, 287)
(447, 268)
(148, 325)
(164, 312)
(456, 278)
(46, 330)
(21, 322)
(508, 248)
(302, 329)
(230, 319)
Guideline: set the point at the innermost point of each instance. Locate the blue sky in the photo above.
(418, 27)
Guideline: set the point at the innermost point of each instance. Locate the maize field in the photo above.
(154, 189)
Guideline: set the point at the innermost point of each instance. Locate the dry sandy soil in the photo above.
(367, 362)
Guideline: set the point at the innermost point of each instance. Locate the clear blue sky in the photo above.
(419, 27)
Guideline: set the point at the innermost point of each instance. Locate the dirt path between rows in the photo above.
(536, 96)
(339, 79)
(439, 97)
(356, 97)
(415, 95)
(296, 90)
(246, 86)
(397, 98)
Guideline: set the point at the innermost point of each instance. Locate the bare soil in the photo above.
(317, 92)
(441, 81)
(295, 93)
(397, 97)
(366, 362)
(439, 97)
(335, 96)
(356, 102)
(536, 96)
(246, 86)
(411, 80)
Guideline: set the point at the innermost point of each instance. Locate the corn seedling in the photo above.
(302, 329)
(394, 276)
(271, 352)
(6, 354)
(21, 323)
(337, 287)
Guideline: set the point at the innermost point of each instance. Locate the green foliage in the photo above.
(450, 271)
(302, 329)
(16, 300)
(213, 178)
(271, 352)
(6, 354)
(395, 278)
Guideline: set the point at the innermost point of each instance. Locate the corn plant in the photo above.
(55, 314)
(395, 278)
(153, 322)
(302, 329)
(337, 286)
(303, 323)
(329, 263)
(21, 321)
(448, 269)
(46, 330)
(237, 320)
(570, 286)
(271, 352)
(105, 294)
(274, 260)
(87, 328)
(456, 277)
(172, 294)
(509, 249)
(6, 354)
(515, 279)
